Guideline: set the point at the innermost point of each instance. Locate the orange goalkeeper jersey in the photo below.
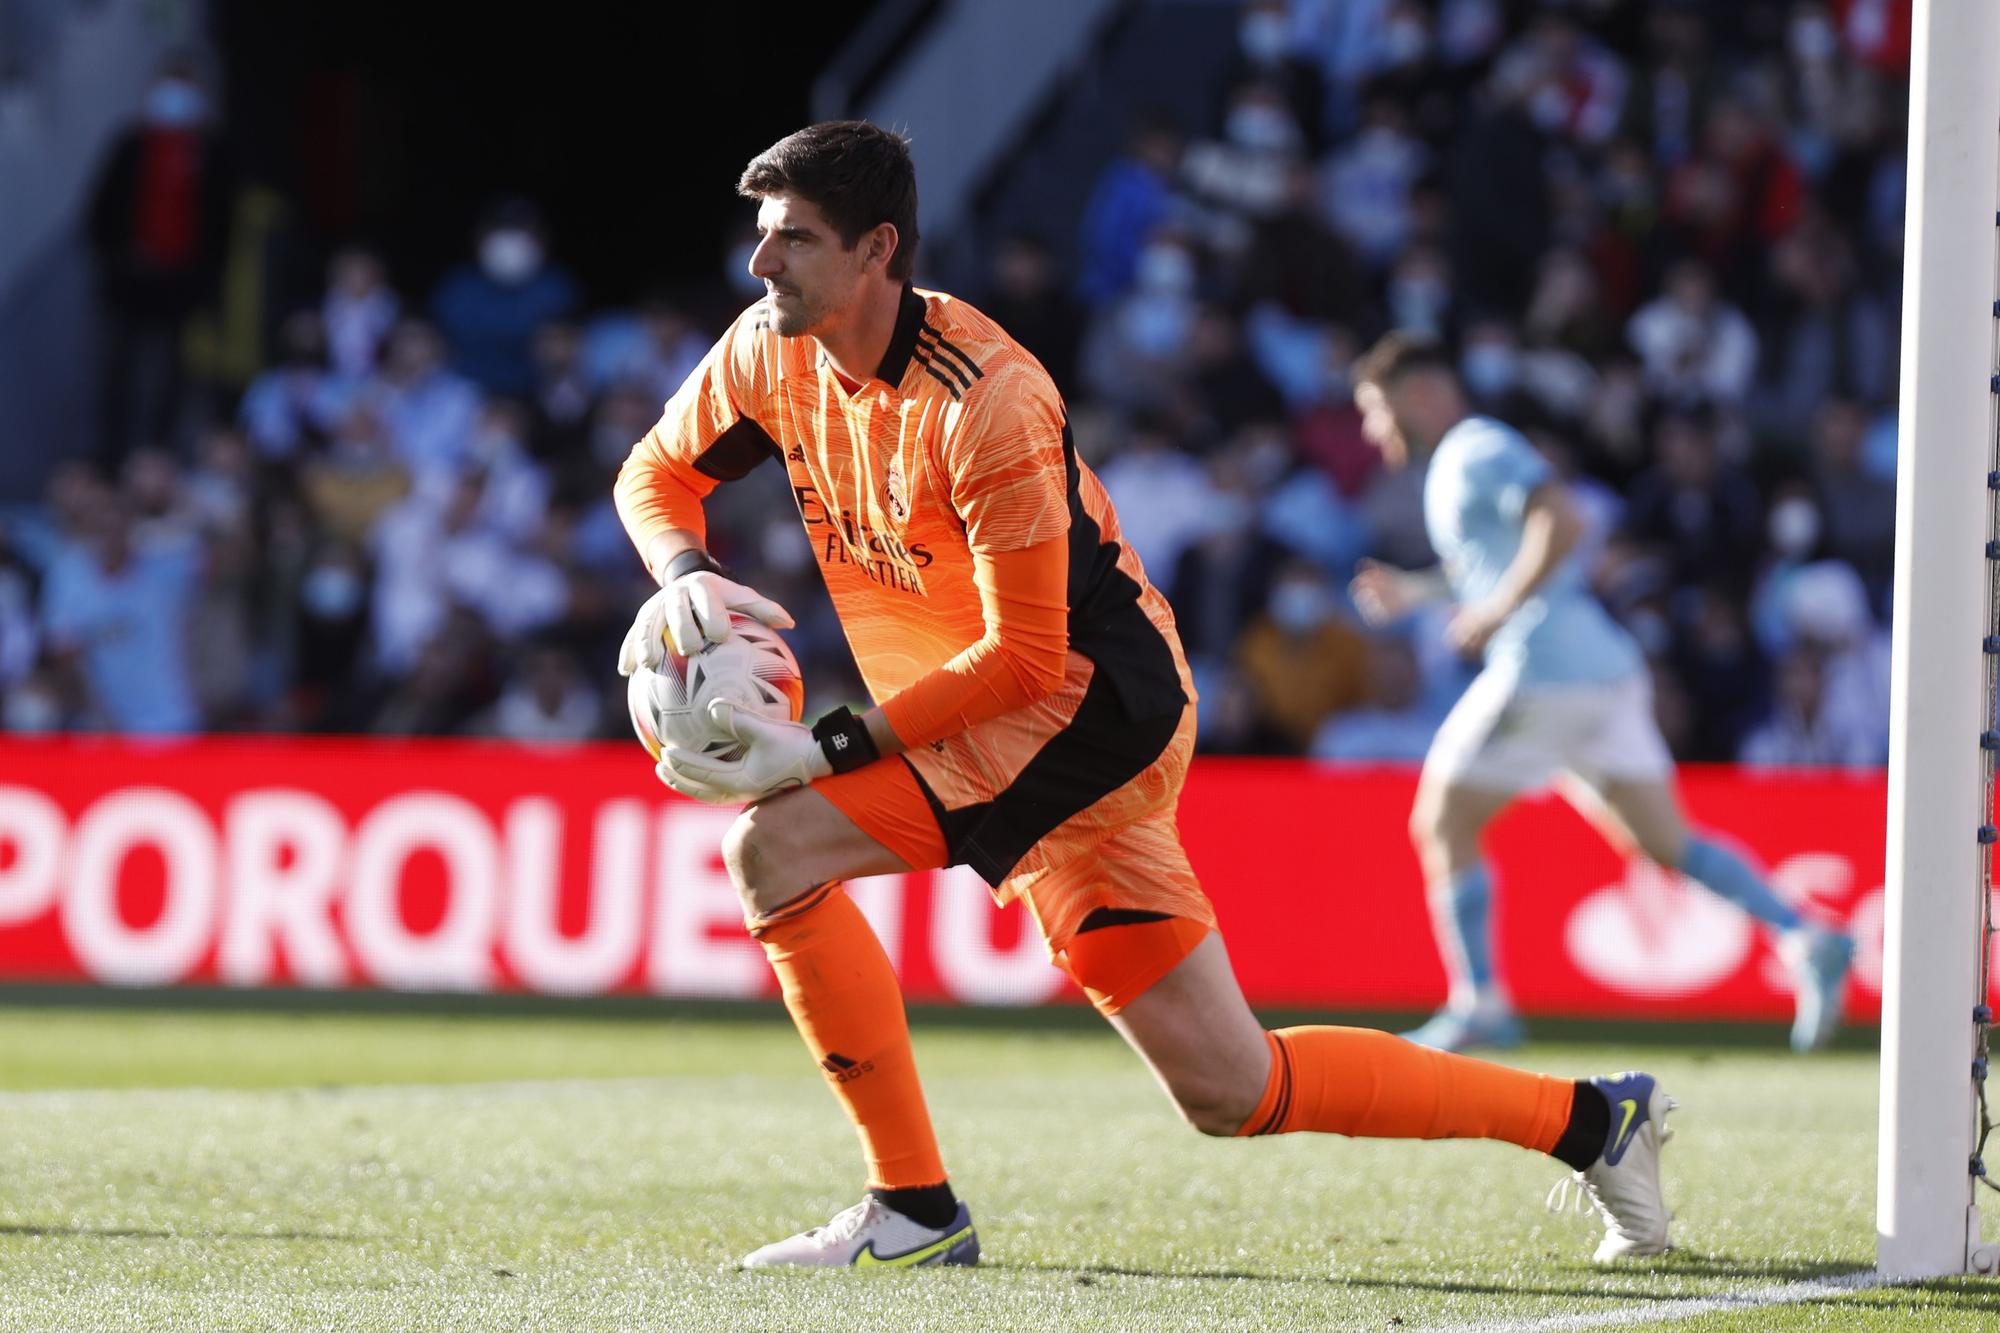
(958, 448)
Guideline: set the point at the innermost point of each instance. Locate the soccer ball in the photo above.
(752, 668)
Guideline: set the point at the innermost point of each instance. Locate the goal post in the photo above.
(1927, 1221)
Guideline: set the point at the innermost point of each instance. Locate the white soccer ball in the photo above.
(752, 668)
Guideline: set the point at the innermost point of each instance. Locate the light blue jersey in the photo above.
(1475, 495)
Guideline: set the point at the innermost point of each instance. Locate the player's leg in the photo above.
(1481, 758)
(1229, 1077)
(1447, 821)
(787, 857)
(1624, 786)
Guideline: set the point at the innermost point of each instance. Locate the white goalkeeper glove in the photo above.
(776, 755)
(690, 609)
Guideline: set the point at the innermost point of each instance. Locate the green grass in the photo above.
(216, 1171)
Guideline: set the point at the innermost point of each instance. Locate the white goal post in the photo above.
(1927, 1219)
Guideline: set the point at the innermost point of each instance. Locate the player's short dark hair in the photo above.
(1396, 354)
(858, 174)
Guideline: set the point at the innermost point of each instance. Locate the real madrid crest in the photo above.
(897, 492)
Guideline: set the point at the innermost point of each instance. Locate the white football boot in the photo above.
(1623, 1184)
(1819, 960)
(871, 1234)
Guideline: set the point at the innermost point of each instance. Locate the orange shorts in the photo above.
(1067, 805)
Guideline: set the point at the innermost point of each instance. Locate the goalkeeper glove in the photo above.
(692, 609)
(776, 755)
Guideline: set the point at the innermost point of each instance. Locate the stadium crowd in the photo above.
(1663, 239)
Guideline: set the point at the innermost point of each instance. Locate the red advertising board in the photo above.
(436, 865)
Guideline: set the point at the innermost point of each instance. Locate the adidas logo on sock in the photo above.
(843, 1069)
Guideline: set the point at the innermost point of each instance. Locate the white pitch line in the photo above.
(1668, 1311)
(26, 1098)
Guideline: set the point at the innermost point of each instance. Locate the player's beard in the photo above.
(794, 318)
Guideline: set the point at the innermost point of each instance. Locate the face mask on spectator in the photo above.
(1794, 526)
(1261, 128)
(1265, 37)
(1165, 270)
(1157, 324)
(1417, 303)
(1813, 40)
(510, 256)
(174, 104)
(1405, 43)
(1549, 107)
(1490, 370)
(331, 592)
(1299, 607)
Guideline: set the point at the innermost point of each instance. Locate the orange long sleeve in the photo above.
(707, 433)
(656, 493)
(1024, 597)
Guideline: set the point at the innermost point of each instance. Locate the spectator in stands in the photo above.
(1823, 336)
(154, 499)
(1733, 200)
(1365, 184)
(1801, 730)
(566, 387)
(1225, 390)
(1717, 662)
(1139, 351)
(158, 221)
(1132, 200)
(1695, 346)
(489, 310)
(331, 626)
(1300, 660)
(1828, 614)
(548, 701)
(1498, 230)
(1576, 86)
(117, 614)
(1857, 509)
(1222, 580)
(292, 406)
(426, 410)
(1267, 52)
(1394, 721)
(355, 482)
(450, 681)
(1240, 179)
(1666, 104)
(1165, 499)
(1300, 264)
(658, 347)
(359, 311)
(1694, 511)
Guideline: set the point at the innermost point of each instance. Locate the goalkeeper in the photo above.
(1035, 720)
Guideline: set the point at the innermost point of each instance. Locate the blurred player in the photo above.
(1035, 720)
(1563, 695)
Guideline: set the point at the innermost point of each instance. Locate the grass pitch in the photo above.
(218, 1171)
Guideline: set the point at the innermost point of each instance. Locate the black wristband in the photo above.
(844, 740)
(690, 561)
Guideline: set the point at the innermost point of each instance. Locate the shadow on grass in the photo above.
(154, 1233)
(1623, 1032)
(1588, 1282)
(1975, 1295)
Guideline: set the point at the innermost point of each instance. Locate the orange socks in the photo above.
(1368, 1084)
(843, 997)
